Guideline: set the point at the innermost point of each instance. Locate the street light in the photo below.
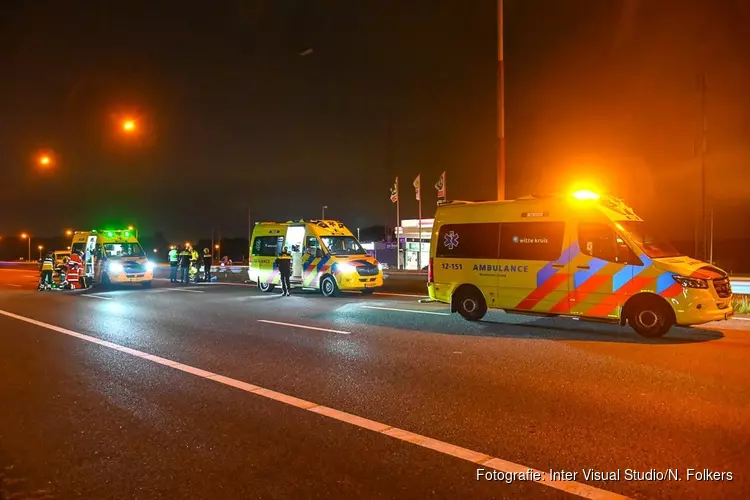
(26, 236)
(68, 232)
(357, 234)
(40, 247)
(128, 126)
(323, 214)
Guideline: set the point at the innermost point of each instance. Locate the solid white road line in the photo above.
(406, 310)
(183, 290)
(742, 319)
(13, 284)
(302, 326)
(400, 294)
(580, 489)
(92, 296)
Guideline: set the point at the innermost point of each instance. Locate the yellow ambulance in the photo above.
(113, 257)
(582, 255)
(325, 256)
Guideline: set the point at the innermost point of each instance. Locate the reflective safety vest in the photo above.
(173, 255)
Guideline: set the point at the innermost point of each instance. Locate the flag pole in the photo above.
(419, 254)
(398, 233)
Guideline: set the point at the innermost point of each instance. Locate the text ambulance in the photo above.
(325, 256)
(113, 257)
(583, 255)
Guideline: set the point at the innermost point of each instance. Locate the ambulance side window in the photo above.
(312, 247)
(468, 241)
(597, 240)
(267, 246)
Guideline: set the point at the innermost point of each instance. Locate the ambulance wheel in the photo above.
(328, 286)
(265, 287)
(469, 302)
(650, 317)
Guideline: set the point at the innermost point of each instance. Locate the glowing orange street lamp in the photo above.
(128, 126)
(27, 236)
(68, 232)
(45, 160)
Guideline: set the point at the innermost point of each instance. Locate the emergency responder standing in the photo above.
(174, 260)
(284, 265)
(207, 261)
(48, 268)
(185, 265)
(75, 270)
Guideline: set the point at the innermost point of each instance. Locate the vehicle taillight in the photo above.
(430, 274)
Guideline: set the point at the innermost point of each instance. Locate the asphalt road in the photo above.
(191, 392)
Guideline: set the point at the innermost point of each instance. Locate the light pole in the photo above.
(40, 251)
(26, 236)
(323, 213)
(357, 234)
(500, 106)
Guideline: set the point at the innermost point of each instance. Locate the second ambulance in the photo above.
(581, 255)
(113, 257)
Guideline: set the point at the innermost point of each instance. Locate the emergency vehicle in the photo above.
(113, 257)
(325, 256)
(582, 255)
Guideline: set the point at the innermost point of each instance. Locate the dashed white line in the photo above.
(293, 325)
(580, 489)
(92, 296)
(742, 319)
(183, 290)
(406, 310)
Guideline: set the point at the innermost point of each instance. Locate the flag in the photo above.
(440, 186)
(394, 192)
(416, 187)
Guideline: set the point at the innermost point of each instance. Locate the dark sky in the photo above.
(230, 115)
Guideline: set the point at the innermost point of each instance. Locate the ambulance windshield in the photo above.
(342, 245)
(654, 246)
(117, 250)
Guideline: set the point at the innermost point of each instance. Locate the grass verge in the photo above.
(741, 304)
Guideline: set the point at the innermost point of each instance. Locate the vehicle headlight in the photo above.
(149, 266)
(689, 282)
(115, 267)
(343, 267)
(380, 266)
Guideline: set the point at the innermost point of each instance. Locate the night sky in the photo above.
(231, 116)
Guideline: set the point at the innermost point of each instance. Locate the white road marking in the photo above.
(92, 296)
(406, 310)
(400, 294)
(742, 319)
(303, 326)
(13, 284)
(183, 290)
(30, 276)
(580, 489)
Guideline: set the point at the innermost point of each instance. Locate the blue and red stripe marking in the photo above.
(548, 278)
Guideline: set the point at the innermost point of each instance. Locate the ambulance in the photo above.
(325, 256)
(581, 255)
(113, 257)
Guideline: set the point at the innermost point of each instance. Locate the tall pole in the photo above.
(323, 213)
(249, 232)
(711, 241)
(398, 232)
(29, 257)
(704, 127)
(501, 173)
(419, 254)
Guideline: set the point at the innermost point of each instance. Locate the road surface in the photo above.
(220, 391)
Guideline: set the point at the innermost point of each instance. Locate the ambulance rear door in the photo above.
(295, 237)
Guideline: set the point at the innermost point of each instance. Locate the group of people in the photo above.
(183, 260)
(70, 272)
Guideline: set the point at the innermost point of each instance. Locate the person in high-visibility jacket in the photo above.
(207, 262)
(284, 265)
(174, 260)
(48, 268)
(185, 265)
(74, 267)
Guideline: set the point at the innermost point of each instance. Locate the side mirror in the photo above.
(319, 253)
